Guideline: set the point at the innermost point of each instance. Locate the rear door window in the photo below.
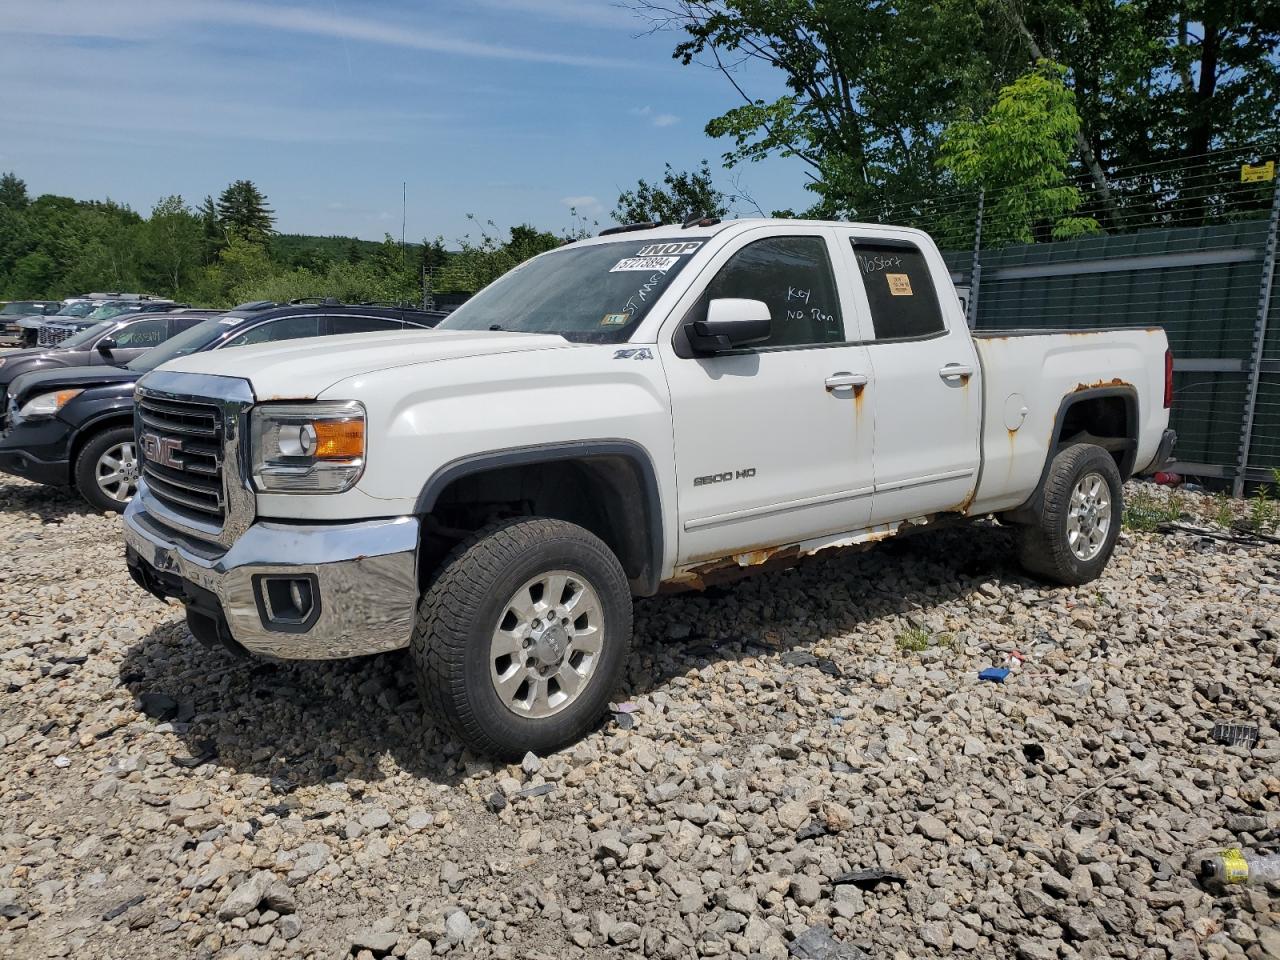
(286, 328)
(341, 325)
(904, 304)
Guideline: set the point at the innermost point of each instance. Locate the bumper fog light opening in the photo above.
(287, 603)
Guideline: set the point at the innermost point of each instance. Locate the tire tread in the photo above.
(451, 603)
(1043, 548)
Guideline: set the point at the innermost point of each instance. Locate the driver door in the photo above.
(772, 445)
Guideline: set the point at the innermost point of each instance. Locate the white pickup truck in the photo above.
(651, 408)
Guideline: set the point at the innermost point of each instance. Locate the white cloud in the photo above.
(586, 205)
(655, 118)
(602, 13)
(139, 20)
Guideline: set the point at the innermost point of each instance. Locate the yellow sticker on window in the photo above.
(1258, 173)
(899, 284)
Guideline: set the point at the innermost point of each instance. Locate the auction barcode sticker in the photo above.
(661, 264)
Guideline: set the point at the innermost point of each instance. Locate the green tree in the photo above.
(1019, 152)
(33, 275)
(212, 235)
(867, 85)
(479, 262)
(242, 208)
(681, 196)
(13, 192)
(1158, 82)
(170, 243)
(870, 86)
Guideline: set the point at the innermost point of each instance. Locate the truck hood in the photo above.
(28, 385)
(302, 369)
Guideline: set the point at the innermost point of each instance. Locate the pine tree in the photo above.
(13, 192)
(212, 236)
(242, 207)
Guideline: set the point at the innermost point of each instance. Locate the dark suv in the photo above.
(104, 343)
(74, 425)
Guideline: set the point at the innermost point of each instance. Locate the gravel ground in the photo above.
(160, 799)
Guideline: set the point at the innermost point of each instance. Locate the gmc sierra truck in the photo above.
(657, 407)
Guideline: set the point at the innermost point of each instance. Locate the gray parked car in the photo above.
(112, 342)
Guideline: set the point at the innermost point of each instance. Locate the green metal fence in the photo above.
(1210, 284)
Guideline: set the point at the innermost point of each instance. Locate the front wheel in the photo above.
(1079, 517)
(523, 636)
(106, 471)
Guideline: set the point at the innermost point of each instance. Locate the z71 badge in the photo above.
(744, 474)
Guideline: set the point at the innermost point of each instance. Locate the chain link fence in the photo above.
(1189, 246)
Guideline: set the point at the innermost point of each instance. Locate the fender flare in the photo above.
(1028, 509)
(628, 450)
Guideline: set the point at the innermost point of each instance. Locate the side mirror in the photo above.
(731, 322)
(106, 345)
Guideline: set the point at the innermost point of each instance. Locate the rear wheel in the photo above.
(1079, 517)
(106, 471)
(523, 636)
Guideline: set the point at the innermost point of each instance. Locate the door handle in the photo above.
(953, 370)
(843, 381)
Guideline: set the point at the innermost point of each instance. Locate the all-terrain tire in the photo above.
(89, 463)
(465, 604)
(1052, 547)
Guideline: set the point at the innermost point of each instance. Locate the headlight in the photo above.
(308, 448)
(47, 404)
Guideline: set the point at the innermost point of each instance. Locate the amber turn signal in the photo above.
(339, 439)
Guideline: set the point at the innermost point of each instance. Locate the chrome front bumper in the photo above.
(365, 576)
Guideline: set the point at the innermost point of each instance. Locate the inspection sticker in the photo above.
(649, 264)
(899, 284)
(615, 319)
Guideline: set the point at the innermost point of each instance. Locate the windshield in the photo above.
(75, 309)
(107, 310)
(189, 341)
(86, 335)
(23, 308)
(592, 294)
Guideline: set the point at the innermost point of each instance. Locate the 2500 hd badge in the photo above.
(744, 474)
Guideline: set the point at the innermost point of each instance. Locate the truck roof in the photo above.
(674, 231)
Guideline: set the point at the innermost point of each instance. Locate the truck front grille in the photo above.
(182, 443)
(50, 336)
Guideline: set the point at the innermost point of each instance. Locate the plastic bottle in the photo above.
(1232, 867)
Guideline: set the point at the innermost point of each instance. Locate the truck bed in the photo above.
(1037, 371)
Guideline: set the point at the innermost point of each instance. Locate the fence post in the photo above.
(1259, 341)
(975, 271)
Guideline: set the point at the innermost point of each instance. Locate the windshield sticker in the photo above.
(645, 263)
(615, 319)
(899, 284)
(669, 249)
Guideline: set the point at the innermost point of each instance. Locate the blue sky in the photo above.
(512, 110)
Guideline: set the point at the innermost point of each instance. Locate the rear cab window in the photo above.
(900, 291)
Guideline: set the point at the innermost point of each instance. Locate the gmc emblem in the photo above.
(162, 450)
